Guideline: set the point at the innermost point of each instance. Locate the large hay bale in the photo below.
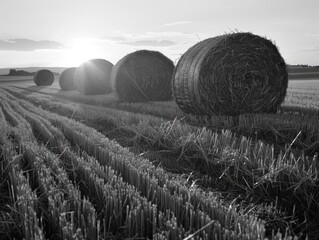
(230, 74)
(143, 76)
(93, 77)
(66, 80)
(43, 77)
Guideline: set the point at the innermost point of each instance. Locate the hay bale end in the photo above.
(66, 79)
(93, 77)
(143, 76)
(43, 77)
(230, 74)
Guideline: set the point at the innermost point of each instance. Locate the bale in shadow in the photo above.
(66, 79)
(93, 77)
(43, 77)
(230, 74)
(143, 76)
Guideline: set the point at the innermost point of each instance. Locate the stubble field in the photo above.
(90, 167)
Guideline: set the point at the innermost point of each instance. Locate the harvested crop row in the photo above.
(263, 155)
(200, 199)
(301, 111)
(138, 218)
(280, 132)
(10, 221)
(27, 202)
(134, 120)
(132, 212)
(45, 133)
(62, 199)
(208, 198)
(56, 220)
(138, 171)
(23, 196)
(80, 128)
(106, 191)
(168, 112)
(274, 129)
(40, 126)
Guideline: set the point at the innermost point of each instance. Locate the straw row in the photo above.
(161, 188)
(25, 199)
(134, 223)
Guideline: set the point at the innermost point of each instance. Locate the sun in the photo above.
(81, 51)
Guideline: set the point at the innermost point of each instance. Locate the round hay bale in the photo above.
(230, 74)
(143, 76)
(66, 79)
(43, 77)
(93, 77)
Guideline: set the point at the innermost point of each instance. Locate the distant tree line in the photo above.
(14, 72)
(304, 65)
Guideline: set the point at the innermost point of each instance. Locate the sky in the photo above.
(65, 33)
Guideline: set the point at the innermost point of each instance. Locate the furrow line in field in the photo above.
(258, 153)
(138, 207)
(278, 130)
(210, 208)
(146, 130)
(135, 211)
(24, 198)
(57, 220)
(67, 215)
(53, 207)
(27, 203)
(10, 218)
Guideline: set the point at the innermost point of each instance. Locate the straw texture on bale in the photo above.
(43, 77)
(66, 80)
(230, 75)
(143, 76)
(93, 77)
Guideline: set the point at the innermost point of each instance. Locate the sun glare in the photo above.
(81, 51)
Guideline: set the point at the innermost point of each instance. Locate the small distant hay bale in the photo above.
(93, 77)
(66, 79)
(43, 77)
(143, 76)
(230, 75)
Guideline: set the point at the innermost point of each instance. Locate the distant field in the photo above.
(304, 75)
(298, 69)
(303, 93)
(15, 78)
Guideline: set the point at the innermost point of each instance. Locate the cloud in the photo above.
(149, 39)
(21, 44)
(313, 49)
(150, 43)
(169, 34)
(116, 38)
(178, 23)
